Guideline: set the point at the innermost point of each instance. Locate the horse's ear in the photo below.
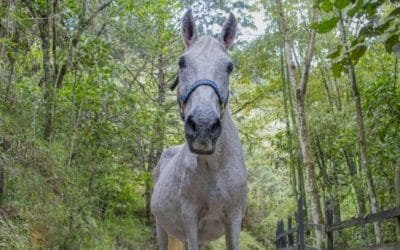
(189, 33)
(229, 31)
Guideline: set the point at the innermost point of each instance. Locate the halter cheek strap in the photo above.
(184, 97)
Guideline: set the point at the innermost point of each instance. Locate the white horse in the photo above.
(200, 187)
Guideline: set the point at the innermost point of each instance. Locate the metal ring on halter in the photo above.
(182, 99)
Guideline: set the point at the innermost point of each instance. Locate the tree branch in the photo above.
(309, 56)
(247, 104)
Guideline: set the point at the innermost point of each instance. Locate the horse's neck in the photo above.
(229, 135)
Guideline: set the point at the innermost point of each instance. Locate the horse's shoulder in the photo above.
(165, 157)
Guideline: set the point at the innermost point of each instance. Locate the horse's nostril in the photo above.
(191, 124)
(216, 127)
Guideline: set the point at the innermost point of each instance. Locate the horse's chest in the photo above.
(209, 192)
(212, 207)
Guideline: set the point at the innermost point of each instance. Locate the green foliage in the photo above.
(120, 190)
(382, 24)
(247, 242)
(326, 25)
(88, 186)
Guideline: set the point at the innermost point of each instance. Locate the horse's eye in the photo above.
(181, 62)
(229, 68)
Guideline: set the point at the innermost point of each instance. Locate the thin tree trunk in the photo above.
(309, 164)
(158, 132)
(2, 182)
(74, 124)
(396, 62)
(339, 98)
(300, 89)
(358, 190)
(322, 163)
(9, 80)
(48, 80)
(326, 86)
(361, 135)
(288, 128)
(42, 16)
(161, 102)
(298, 157)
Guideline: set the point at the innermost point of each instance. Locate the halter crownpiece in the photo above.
(183, 98)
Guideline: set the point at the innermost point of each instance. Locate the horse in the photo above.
(200, 187)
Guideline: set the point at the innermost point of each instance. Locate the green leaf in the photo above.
(341, 4)
(355, 8)
(381, 28)
(326, 25)
(335, 53)
(326, 5)
(390, 42)
(371, 7)
(357, 52)
(367, 30)
(395, 12)
(337, 69)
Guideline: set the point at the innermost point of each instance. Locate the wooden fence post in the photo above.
(397, 189)
(300, 224)
(277, 233)
(329, 222)
(282, 230)
(289, 227)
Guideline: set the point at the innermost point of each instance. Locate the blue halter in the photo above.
(183, 98)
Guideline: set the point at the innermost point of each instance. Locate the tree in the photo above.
(54, 69)
(300, 90)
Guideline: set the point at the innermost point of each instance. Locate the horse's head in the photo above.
(203, 83)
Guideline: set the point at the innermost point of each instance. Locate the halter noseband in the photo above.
(183, 98)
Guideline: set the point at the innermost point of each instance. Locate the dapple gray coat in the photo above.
(200, 187)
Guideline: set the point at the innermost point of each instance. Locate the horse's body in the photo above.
(215, 183)
(200, 196)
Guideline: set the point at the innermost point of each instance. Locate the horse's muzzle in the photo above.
(202, 133)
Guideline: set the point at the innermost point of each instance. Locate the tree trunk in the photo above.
(328, 93)
(44, 25)
(298, 156)
(309, 164)
(48, 79)
(9, 81)
(300, 89)
(361, 207)
(358, 190)
(288, 128)
(361, 135)
(2, 182)
(158, 132)
(296, 159)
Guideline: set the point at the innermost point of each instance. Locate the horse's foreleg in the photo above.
(162, 237)
(189, 216)
(232, 230)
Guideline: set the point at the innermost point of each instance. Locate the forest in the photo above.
(86, 111)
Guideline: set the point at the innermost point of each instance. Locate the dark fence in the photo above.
(285, 239)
